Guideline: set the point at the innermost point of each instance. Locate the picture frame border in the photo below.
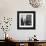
(34, 20)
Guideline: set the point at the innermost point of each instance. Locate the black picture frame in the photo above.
(28, 14)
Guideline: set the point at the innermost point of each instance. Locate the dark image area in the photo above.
(22, 22)
(27, 21)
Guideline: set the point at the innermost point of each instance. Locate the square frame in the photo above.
(19, 13)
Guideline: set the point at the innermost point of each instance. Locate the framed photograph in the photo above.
(25, 19)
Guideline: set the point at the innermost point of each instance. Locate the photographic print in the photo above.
(26, 20)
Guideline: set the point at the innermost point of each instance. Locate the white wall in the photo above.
(9, 8)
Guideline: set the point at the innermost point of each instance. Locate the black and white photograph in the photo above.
(26, 20)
